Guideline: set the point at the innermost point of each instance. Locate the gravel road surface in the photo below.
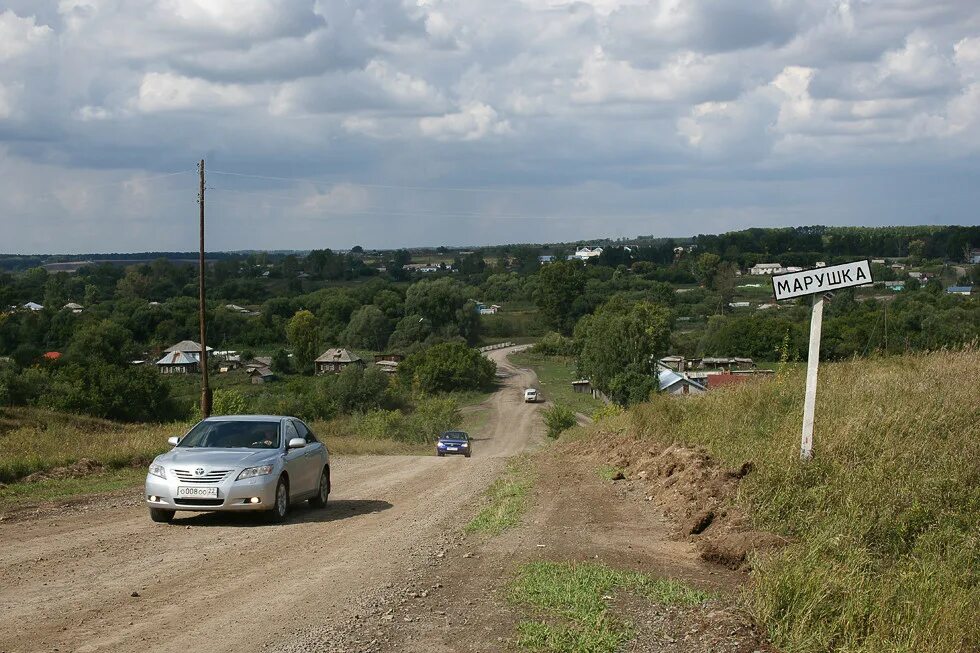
(105, 578)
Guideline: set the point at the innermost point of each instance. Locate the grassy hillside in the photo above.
(37, 440)
(885, 521)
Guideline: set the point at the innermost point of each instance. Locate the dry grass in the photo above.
(886, 518)
(34, 440)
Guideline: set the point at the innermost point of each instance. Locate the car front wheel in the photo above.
(162, 516)
(323, 491)
(281, 506)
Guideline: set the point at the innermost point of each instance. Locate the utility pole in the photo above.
(205, 390)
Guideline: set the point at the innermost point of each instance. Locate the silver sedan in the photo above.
(240, 462)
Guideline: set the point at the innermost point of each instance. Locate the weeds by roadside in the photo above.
(507, 499)
(572, 600)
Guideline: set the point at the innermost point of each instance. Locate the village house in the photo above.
(261, 374)
(673, 383)
(33, 306)
(959, 290)
(766, 268)
(333, 361)
(585, 253)
(73, 307)
(189, 348)
(177, 362)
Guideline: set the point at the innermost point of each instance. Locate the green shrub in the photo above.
(558, 418)
(228, 402)
(555, 344)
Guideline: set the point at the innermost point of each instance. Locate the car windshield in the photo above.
(453, 436)
(233, 435)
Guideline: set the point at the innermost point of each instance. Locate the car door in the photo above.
(313, 454)
(296, 462)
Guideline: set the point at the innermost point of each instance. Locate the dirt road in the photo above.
(105, 578)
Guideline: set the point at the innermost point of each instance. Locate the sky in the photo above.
(390, 123)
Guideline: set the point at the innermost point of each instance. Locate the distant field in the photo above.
(555, 376)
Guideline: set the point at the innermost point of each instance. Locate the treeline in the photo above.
(799, 245)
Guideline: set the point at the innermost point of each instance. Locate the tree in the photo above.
(368, 329)
(620, 344)
(448, 366)
(281, 362)
(104, 342)
(446, 307)
(303, 336)
(559, 285)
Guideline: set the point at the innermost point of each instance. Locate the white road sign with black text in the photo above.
(818, 280)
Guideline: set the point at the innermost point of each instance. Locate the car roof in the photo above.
(450, 434)
(247, 418)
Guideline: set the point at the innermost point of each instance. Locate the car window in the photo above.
(290, 431)
(304, 432)
(233, 434)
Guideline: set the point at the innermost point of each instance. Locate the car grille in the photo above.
(184, 501)
(213, 476)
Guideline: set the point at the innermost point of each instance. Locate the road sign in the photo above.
(820, 280)
(817, 282)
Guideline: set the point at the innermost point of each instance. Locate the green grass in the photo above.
(885, 520)
(18, 495)
(555, 376)
(570, 603)
(606, 472)
(507, 499)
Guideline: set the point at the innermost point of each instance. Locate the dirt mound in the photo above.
(691, 487)
(83, 467)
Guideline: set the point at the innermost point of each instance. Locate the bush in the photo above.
(431, 416)
(558, 419)
(228, 402)
(555, 344)
(447, 367)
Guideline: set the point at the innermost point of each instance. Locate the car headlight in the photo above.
(250, 472)
(440, 444)
(158, 470)
(465, 444)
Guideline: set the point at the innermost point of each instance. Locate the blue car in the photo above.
(454, 443)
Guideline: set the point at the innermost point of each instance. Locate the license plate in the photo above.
(452, 448)
(197, 492)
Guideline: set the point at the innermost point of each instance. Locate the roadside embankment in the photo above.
(873, 545)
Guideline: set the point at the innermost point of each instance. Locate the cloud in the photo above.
(481, 121)
(473, 121)
(169, 92)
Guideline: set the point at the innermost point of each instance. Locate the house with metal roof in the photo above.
(189, 348)
(178, 362)
(959, 290)
(333, 361)
(672, 383)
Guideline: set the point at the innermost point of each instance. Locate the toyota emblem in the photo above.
(199, 471)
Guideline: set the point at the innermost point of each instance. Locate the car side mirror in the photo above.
(173, 441)
(297, 443)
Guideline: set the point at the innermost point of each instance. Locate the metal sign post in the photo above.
(817, 282)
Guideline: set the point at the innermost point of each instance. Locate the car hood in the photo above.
(452, 441)
(205, 457)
